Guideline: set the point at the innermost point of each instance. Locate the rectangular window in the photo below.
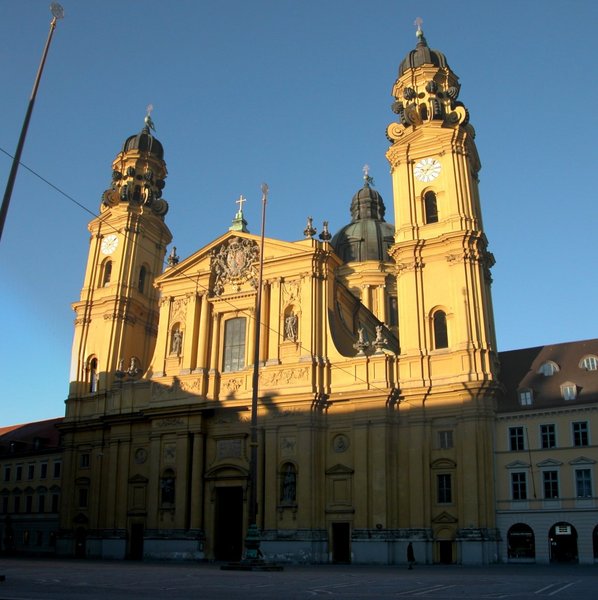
(19, 473)
(43, 471)
(55, 502)
(580, 433)
(6, 473)
(28, 504)
(17, 504)
(583, 483)
(445, 439)
(4, 505)
(516, 439)
(551, 484)
(518, 486)
(548, 436)
(84, 460)
(57, 465)
(30, 471)
(41, 504)
(234, 344)
(445, 492)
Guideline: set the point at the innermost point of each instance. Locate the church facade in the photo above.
(378, 377)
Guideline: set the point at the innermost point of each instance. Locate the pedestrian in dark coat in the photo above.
(410, 556)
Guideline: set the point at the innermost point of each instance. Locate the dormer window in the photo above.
(589, 363)
(548, 368)
(526, 397)
(569, 391)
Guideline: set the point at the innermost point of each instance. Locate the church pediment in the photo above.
(234, 249)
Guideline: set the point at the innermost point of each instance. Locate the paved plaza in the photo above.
(28, 579)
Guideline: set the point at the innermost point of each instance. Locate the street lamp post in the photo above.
(57, 13)
(252, 538)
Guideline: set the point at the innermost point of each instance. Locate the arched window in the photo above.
(93, 374)
(288, 484)
(440, 330)
(589, 363)
(431, 207)
(141, 281)
(167, 488)
(234, 344)
(521, 542)
(107, 273)
(548, 368)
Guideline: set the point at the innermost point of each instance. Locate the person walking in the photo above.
(410, 556)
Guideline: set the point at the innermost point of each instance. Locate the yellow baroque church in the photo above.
(377, 367)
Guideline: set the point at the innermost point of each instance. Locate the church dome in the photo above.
(144, 141)
(368, 236)
(422, 55)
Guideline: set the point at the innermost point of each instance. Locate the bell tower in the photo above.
(117, 316)
(440, 249)
(447, 358)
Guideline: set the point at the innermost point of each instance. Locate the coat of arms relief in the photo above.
(234, 263)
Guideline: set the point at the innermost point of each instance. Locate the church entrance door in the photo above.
(228, 524)
(341, 542)
(136, 542)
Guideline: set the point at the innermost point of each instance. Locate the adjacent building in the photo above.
(546, 455)
(30, 487)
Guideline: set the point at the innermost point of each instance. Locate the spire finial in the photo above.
(418, 23)
(239, 223)
(367, 178)
(240, 203)
(148, 119)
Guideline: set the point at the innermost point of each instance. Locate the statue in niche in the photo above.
(289, 484)
(290, 327)
(177, 342)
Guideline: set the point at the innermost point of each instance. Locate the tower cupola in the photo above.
(426, 90)
(139, 173)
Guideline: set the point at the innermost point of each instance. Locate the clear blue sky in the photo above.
(295, 93)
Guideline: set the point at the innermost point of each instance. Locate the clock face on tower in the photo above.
(426, 169)
(109, 244)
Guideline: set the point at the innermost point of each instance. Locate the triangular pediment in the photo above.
(339, 469)
(517, 464)
(444, 517)
(549, 462)
(200, 262)
(582, 460)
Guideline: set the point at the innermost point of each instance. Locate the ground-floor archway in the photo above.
(521, 542)
(562, 538)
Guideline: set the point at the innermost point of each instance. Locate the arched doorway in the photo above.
(562, 538)
(521, 542)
